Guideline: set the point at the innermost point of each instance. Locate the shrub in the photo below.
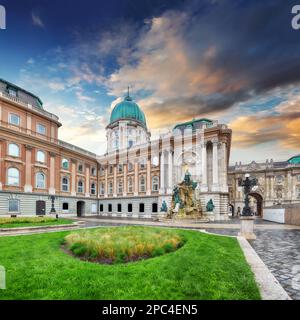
(122, 244)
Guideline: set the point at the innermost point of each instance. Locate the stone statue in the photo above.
(184, 198)
(164, 207)
(210, 206)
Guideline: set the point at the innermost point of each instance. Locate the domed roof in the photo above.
(294, 159)
(127, 109)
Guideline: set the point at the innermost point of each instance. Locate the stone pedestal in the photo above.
(209, 215)
(247, 227)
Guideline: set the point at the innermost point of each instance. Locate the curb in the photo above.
(269, 287)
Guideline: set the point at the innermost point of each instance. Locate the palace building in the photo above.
(132, 179)
(278, 184)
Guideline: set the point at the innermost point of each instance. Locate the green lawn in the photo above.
(32, 222)
(206, 267)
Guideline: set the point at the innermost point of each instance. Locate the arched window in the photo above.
(142, 184)
(14, 150)
(142, 164)
(65, 184)
(13, 177)
(155, 184)
(40, 180)
(130, 166)
(40, 156)
(65, 164)
(93, 188)
(80, 187)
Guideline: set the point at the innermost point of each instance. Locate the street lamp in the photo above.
(247, 185)
(53, 211)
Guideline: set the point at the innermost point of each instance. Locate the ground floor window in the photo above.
(129, 207)
(94, 208)
(154, 207)
(13, 205)
(109, 207)
(65, 207)
(101, 207)
(119, 207)
(142, 207)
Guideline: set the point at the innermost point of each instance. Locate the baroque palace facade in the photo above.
(278, 184)
(132, 179)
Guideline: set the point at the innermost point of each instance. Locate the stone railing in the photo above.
(29, 106)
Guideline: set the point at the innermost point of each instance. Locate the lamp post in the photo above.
(248, 184)
(247, 216)
(53, 211)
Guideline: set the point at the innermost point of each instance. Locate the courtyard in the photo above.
(37, 268)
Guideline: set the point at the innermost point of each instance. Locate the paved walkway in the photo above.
(277, 245)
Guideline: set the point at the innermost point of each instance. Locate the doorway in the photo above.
(80, 208)
(40, 208)
(257, 203)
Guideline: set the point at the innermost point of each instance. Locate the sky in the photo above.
(228, 60)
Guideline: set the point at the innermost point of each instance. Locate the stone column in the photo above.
(106, 182)
(162, 173)
(115, 182)
(170, 172)
(148, 190)
(87, 181)
(272, 188)
(215, 166)
(125, 180)
(73, 174)
(52, 173)
(225, 173)
(28, 182)
(136, 179)
(204, 187)
(28, 124)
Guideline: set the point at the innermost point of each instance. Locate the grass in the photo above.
(31, 221)
(117, 245)
(206, 267)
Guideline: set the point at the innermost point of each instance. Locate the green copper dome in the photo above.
(295, 159)
(127, 109)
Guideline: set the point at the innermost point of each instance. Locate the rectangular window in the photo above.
(110, 207)
(129, 207)
(94, 208)
(298, 193)
(119, 207)
(14, 119)
(40, 128)
(13, 205)
(12, 92)
(101, 207)
(65, 207)
(298, 177)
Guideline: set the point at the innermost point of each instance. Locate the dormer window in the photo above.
(12, 91)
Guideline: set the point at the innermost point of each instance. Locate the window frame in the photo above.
(18, 148)
(18, 205)
(65, 184)
(80, 187)
(37, 156)
(41, 125)
(9, 177)
(10, 119)
(36, 180)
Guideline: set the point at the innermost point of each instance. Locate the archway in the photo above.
(257, 203)
(80, 208)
